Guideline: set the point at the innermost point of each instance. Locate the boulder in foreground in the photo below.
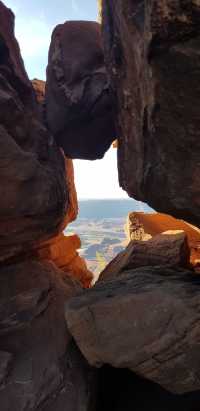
(147, 321)
(41, 368)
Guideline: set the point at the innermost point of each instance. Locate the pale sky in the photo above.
(35, 21)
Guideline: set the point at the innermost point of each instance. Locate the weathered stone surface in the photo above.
(63, 252)
(72, 210)
(5, 364)
(33, 188)
(39, 87)
(79, 109)
(143, 226)
(147, 321)
(152, 55)
(46, 366)
(161, 250)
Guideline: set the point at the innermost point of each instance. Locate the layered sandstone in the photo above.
(63, 252)
(143, 226)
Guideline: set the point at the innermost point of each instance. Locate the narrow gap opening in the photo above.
(103, 211)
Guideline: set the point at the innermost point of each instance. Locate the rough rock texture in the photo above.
(39, 362)
(40, 366)
(63, 251)
(147, 321)
(39, 87)
(141, 226)
(152, 55)
(72, 210)
(161, 250)
(79, 109)
(32, 180)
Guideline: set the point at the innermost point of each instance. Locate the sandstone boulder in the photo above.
(143, 226)
(161, 250)
(146, 321)
(152, 55)
(79, 110)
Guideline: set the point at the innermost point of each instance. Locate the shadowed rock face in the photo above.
(152, 54)
(33, 188)
(146, 321)
(78, 102)
(40, 366)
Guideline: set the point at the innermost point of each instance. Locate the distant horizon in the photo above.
(108, 199)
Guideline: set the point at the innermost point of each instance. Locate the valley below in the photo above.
(101, 226)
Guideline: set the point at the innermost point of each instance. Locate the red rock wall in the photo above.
(152, 56)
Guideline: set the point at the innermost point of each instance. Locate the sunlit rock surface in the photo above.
(143, 226)
(39, 88)
(63, 252)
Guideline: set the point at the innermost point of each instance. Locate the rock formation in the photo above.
(79, 109)
(39, 88)
(33, 188)
(143, 226)
(166, 250)
(63, 251)
(146, 321)
(152, 55)
(142, 318)
(40, 366)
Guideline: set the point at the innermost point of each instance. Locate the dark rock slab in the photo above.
(5, 364)
(147, 321)
(79, 108)
(152, 55)
(39, 363)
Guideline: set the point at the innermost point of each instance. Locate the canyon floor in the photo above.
(101, 227)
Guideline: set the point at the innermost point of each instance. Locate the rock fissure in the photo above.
(134, 76)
